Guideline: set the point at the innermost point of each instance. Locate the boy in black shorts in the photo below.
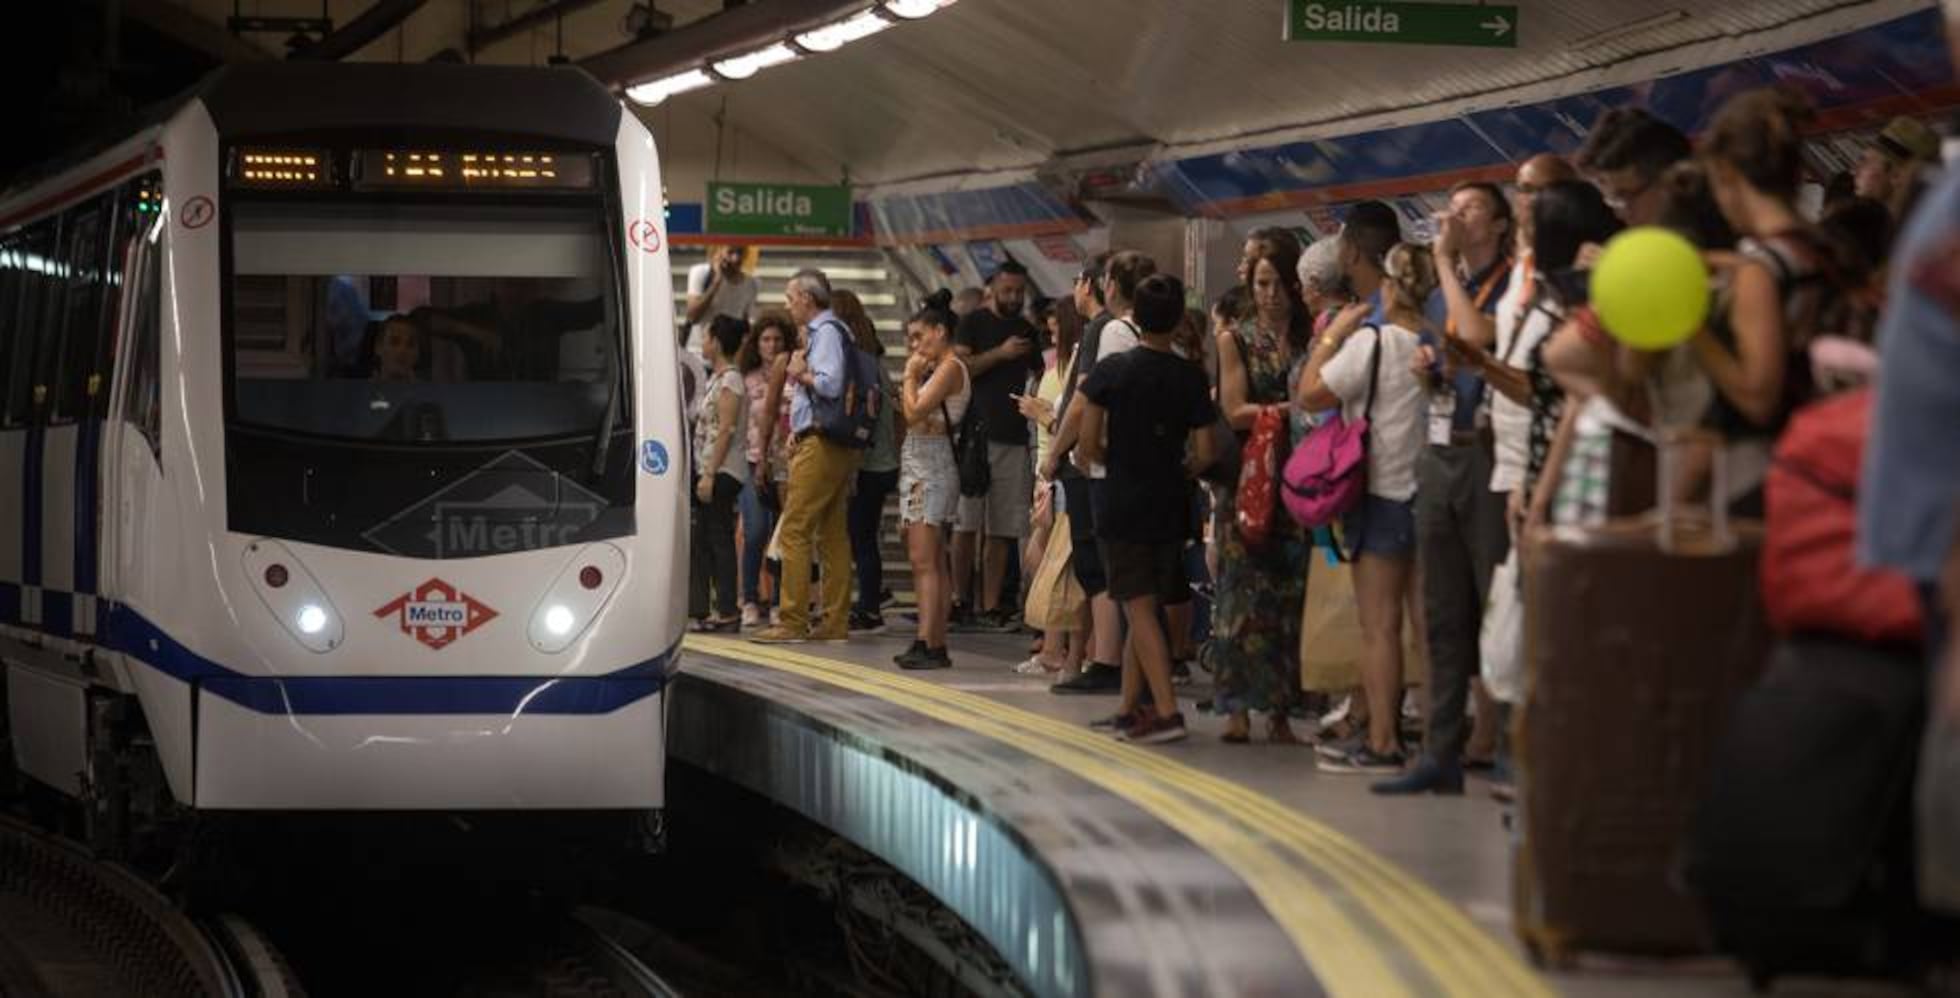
(1145, 416)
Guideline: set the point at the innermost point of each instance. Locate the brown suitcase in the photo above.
(1634, 655)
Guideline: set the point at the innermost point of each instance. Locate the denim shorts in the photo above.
(928, 481)
(1384, 527)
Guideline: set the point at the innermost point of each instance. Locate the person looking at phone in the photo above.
(717, 287)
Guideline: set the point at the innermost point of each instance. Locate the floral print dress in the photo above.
(1254, 651)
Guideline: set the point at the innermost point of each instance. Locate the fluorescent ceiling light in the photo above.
(912, 10)
(742, 67)
(836, 35)
(654, 91)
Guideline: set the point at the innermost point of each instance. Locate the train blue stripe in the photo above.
(129, 632)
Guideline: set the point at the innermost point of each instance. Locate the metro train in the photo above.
(342, 457)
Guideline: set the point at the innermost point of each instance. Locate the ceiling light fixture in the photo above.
(864, 23)
(653, 92)
(912, 10)
(743, 66)
(838, 34)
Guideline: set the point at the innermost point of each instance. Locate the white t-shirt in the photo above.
(707, 424)
(1396, 426)
(1119, 335)
(1510, 423)
(733, 299)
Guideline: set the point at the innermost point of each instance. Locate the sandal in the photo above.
(1237, 730)
(1278, 731)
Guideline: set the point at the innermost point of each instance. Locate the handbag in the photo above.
(1227, 460)
(1055, 598)
(1500, 638)
(1328, 473)
(1258, 477)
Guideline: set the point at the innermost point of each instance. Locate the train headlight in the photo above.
(575, 597)
(312, 619)
(293, 596)
(558, 621)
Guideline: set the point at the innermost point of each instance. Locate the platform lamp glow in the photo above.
(1650, 288)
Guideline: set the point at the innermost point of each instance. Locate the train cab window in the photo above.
(12, 266)
(143, 403)
(423, 324)
(39, 294)
(82, 325)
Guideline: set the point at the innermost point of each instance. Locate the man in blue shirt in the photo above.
(820, 474)
(1460, 527)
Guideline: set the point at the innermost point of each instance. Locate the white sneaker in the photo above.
(1033, 667)
(751, 616)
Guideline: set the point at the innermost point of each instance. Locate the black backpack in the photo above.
(851, 418)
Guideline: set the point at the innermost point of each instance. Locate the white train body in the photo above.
(335, 573)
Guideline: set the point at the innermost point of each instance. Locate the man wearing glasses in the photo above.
(1625, 155)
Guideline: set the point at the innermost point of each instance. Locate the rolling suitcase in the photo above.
(1638, 639)
(1801, 851)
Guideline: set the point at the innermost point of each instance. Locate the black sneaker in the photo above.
(918, 650)
(929, 658)
(1364, 760)
(1094, 678)
(867, 623)
(886, 599)
(998, 620)
(1149, 729)
(1181, 673)
(1427, 777)
(961, 619)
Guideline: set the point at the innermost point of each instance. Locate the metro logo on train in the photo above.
(437, 613)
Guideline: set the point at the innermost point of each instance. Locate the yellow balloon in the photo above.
(1650, 288)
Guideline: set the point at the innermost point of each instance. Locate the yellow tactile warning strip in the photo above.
(1365, 927)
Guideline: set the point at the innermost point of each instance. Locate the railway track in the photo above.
(72, 925)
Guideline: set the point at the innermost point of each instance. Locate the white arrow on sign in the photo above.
(1497, 26)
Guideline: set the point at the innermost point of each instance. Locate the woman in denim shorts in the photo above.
(934, 395)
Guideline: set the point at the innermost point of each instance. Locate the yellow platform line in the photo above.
(1261, 840)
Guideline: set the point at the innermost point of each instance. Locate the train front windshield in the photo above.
(434, 380)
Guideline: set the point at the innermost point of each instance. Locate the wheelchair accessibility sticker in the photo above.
(653, 457)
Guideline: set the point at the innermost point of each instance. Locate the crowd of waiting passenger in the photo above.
(1308, 491)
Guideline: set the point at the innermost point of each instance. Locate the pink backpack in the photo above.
(1328, 473)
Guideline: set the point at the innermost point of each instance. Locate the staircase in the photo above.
(865, 273)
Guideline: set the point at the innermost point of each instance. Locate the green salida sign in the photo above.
(1485, 25)
(778, 210)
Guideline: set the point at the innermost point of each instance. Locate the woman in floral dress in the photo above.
(1255, 633)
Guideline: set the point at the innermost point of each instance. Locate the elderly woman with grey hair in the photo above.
(1321, 282)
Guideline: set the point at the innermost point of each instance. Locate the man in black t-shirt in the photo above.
(1144, 417)
(1002, 350)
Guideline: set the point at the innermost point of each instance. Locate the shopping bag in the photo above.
(1258, 498)
(1330, 627)
(1055, 598)
(1498, 644)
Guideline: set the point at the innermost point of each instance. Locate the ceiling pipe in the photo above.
(739, 29)
(483, 38)
(370, 24)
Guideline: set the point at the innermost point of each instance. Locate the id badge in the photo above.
(1442, 417)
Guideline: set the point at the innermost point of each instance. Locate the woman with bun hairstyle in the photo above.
(1756, 345)
(933, 397)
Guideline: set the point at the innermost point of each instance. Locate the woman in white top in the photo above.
(1354, 363)
(721, 462)
(934, 395)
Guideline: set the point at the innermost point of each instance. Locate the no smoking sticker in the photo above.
(644, 235)
(198, 212)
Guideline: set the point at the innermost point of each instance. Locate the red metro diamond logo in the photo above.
(436, 613)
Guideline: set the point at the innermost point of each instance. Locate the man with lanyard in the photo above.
(1460, 530)
(821, 471)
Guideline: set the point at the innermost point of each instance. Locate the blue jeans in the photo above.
(758, 524)
(867, 514)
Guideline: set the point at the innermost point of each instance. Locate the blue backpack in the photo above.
(851, 418)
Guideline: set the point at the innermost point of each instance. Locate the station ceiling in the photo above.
(1006, 85)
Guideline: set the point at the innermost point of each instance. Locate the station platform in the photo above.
(1098, 867)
